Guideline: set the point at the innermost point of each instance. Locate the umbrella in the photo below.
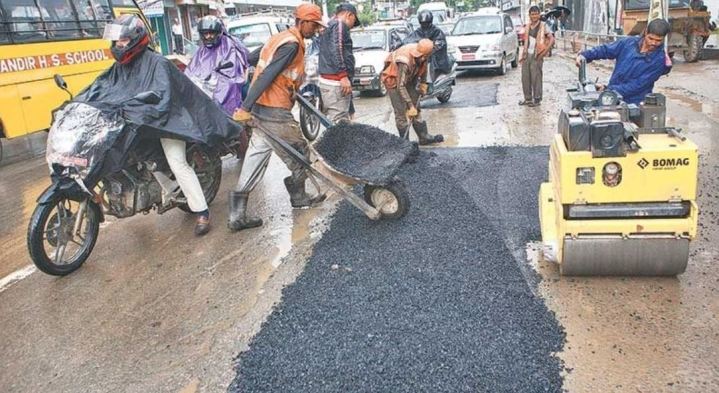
(557, 11)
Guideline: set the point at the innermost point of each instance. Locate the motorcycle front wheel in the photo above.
(59, 242)
(309, 123)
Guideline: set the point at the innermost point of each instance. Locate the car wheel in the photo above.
(515, 62)
(502, 70)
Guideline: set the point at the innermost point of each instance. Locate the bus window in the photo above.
(53, 20)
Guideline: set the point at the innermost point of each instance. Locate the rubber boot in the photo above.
(299, 197)
(238, 219)
(425, 138)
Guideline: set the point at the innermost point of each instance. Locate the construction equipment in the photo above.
(690, 23)
(621, 195)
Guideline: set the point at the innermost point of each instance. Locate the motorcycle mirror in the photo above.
(60, 81)
(225, 66)
(149, 97)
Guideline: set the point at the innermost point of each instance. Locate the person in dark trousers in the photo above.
(278, 75)
(439, 59)
(337, 63)
(640, 61)
(537, 45)
(405, 77)
(178, 37)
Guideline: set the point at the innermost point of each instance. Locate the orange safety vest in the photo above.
(280, 94)
(401, 55)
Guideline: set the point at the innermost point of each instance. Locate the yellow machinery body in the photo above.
(634, 227)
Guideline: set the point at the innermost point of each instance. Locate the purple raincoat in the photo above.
(229, 81)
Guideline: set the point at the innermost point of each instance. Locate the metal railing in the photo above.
(577, 41)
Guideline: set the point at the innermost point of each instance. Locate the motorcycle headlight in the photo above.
(368, 69)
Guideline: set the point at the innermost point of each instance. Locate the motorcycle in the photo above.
(90, 181)
(310, 90)
(440, 86)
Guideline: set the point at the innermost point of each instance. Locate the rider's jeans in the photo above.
(187, 179)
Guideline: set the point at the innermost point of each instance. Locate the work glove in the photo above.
(423, 88)
(241, 115)
(412, 112)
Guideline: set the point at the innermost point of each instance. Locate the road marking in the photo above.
(7, 281)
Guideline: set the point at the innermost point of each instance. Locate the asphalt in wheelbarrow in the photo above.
(442, 300)
(362, 151)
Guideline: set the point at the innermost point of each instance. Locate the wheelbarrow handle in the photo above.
(307, 105)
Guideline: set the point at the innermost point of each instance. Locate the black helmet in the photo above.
(127, 27)
(425, 18)
(210, 24)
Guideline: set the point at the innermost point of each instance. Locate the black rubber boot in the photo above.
(238, 219)
(425, 138)
(299, 197)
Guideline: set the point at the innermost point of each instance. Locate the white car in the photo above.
(371, 45)
(485, 41)
(255, 31)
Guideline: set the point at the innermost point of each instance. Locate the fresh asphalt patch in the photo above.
(433, 302)
(466, 95)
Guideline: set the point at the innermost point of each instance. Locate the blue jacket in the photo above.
(635, 73)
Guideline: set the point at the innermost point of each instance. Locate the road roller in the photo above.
(621, 195)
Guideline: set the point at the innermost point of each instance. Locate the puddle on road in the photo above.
(707, 107)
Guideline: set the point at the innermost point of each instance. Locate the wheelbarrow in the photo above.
(385, 195)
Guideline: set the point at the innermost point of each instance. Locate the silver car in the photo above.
(485, 41)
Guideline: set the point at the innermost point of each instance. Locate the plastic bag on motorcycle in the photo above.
(79, 139)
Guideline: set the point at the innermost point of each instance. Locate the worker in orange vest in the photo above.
(405, 77)
(278, 75)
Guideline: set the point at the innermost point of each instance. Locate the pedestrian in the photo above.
(178, 37)
(640, 61)
(279, 73)
(337, 63)
(405, 77)
(218, 50)
(537, 45)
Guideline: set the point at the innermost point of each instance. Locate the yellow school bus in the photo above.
(39, 39)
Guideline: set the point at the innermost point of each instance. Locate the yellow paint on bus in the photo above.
(31, 53)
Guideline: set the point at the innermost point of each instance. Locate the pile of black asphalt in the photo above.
(438, 301)
(363, 151)
(467, 95)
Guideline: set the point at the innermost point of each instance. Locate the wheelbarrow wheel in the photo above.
(392, 200)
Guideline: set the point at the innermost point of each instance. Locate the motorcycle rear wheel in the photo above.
(207, 164)
(51, 234)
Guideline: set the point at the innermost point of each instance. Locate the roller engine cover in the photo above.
(607, 139)
(574, 127)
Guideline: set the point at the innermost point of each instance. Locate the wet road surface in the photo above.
(155, 309)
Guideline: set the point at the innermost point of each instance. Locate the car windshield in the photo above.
(369, 39)
(490, 24)
(446, 28)
(252, 35)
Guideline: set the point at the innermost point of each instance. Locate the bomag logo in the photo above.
(665, 163)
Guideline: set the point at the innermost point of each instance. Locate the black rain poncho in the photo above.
(184, 112)
(439, 59)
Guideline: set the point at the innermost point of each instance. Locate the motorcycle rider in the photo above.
(130, 45)
(403, 70)
(337, 63)
(219, 48)
(279, 73)
(440, 59)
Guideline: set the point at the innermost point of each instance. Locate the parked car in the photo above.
(446, 27)
(371, 46)
(395, 22)
(485, 40)
(255, 31)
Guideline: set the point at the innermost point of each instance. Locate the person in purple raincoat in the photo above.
(220, 65)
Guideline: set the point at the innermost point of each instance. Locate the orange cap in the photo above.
(309, 12)
(424, 48)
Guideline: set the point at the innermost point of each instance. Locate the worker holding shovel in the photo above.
(404, 76)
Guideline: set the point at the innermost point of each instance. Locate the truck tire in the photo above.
(696, 42)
